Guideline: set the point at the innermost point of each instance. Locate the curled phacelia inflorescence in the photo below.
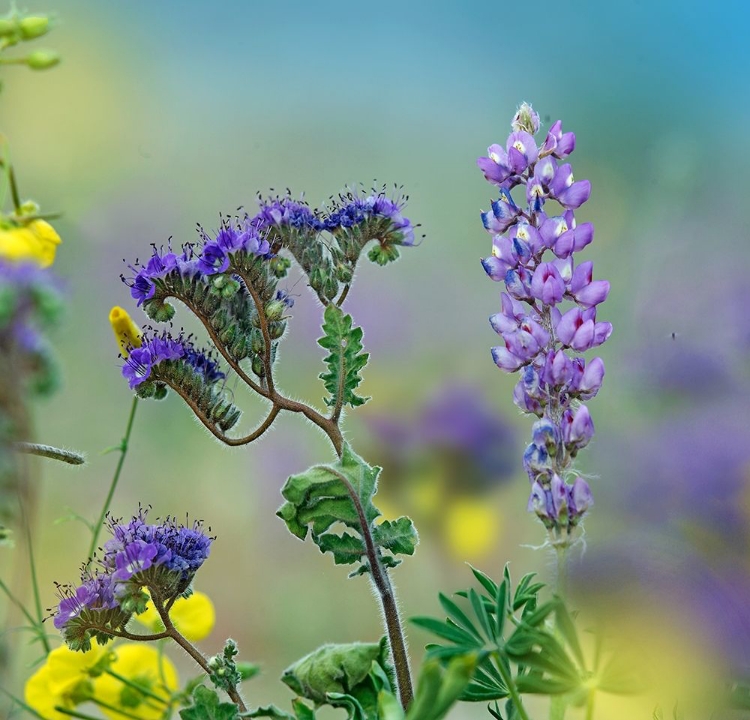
(162, 360)
(161, 558)
(533, 254)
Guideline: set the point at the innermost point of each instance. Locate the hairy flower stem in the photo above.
(115, 478)
(171, 631)
(382, 583)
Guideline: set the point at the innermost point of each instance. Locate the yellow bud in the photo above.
(42, 59)
(33, 26)
(127, 333)
(47, 241)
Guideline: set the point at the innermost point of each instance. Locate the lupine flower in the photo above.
(144, 666)
(533, 255)
(163, 556)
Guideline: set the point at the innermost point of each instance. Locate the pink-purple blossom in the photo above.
(549, 308)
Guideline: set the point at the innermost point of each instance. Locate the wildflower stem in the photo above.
(34, 580)
(562, 570)
(21, 703)
(343, 295)
(115, 709)
(76, 714)
(115, 478)
(512, 691)
(189, 648)
(19, 605)
(136, 686)
(382, 583)
(267, 364)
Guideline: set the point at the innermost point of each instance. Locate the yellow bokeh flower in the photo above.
(471, 527)
(36, 240)
(127, 333)
(194, 617)
(143, 666)
(63, 681)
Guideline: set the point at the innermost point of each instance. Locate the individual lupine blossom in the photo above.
(162, 557)
(533, 255)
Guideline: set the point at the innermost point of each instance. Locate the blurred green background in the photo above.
(165, 114)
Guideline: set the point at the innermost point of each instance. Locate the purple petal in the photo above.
(505, 360)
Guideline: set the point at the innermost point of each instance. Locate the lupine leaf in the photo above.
(568, 630)
(345, 359)
(206, 706)
(438, 689)
(458, 616)
(319, 499)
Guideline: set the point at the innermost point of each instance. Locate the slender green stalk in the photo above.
(115, 709)
(21, 703)
(512, 690)
(34, 579)
(135, 686)
(562, 570)
(590, 704)
(19, 605)
(115, 478)
(72, 713)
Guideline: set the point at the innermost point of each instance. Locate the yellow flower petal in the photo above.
(67, 667)
(37, 241)
(143, 665)
(38, 694)
(471, 527)
(194, 617)
(127, 333)
(63, 676)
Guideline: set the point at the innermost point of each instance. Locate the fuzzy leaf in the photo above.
(206, 706)
(349, 676)
(345, 359)
(326, 496)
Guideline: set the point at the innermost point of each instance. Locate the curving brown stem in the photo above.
(233, 442)
(261, 310)
(382, 584)
(172, 632)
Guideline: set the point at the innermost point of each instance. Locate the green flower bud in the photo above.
(344, 273)
(33, 26)
(279, 266)
(276, 329)
(9, 30)
(42, 59)
(160, 391)
(230, 289)
(158, 310)
(258, 366)
(382, 255)
(275, 310)
(256, 342)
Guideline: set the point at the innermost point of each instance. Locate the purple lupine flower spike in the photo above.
(549, 310)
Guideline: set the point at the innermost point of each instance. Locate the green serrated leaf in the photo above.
(345, 359)
(207, 706)
(270, 711)
(338, 670)
(341, 494)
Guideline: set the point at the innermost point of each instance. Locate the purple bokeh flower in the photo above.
(533, 255)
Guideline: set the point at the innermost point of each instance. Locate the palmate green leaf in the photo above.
(345, 358)
(439, 688)
(567, 629)
(207, 706)
(319, 499)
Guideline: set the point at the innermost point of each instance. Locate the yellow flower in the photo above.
(127, 333)
(63, 681)
(36, 240)
(471, 527)
(145, 667)
(194, 617)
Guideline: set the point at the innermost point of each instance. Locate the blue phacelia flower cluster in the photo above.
(165, 361)
(162, 558)
(533, 255)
